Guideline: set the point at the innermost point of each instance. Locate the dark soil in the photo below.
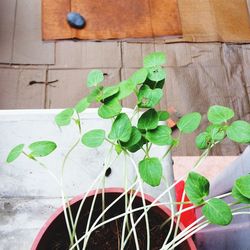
(108, 237)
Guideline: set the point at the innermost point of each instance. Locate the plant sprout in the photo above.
(146, 85)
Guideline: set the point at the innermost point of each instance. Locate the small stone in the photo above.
(75, 20)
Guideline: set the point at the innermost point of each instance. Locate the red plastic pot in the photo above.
(161, 210)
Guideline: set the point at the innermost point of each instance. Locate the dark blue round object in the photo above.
(75, 20)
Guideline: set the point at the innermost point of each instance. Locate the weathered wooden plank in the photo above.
(71, 86)
(28, 45)
(7, 24)
(79, 54)
(17, 93)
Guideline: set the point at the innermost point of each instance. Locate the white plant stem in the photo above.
(93, 227)
(143, 202)
(201, 226)
(102, 173)
(128, 208)
(122, 215)
(89, 217)
(172, 218)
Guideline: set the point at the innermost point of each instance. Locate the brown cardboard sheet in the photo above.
(215, 20)
(112, 19)
(163, 20)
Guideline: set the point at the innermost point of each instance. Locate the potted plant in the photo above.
(126, 217)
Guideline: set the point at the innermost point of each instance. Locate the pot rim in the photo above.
(91, 193)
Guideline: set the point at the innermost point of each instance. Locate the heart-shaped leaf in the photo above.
(196, 188)
(160, 136)
(154, 59)
(189, 122)
(219, 114)
(216, 132)
(95, 95)
(82, 105)
(239, 131)
(126, 88)
(239, 197)
(135, 137)
(139, 76)
(64, 117)
(203, 140)
(156, 73)
(110, 91)
(110, 109)
(148, 120)
(42, 148)
(151, 171)
(163, 115)
(95, 77)
(243, 185)
(15, 153)
(134, 148)
(93, 138)
(121, 128)
(148, 98)
(217, 212)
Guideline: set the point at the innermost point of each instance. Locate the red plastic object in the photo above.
(189, 216)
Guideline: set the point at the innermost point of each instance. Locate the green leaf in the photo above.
(95, 95)
(148, 120)
(95, 77)
(239, 131)
(64, 117)
(148, 98)
(15, 153)
(203, 140)
(121, 128)
(160, 136)
(217, 212)
(82, 105)
(216, 132)
(139, 76)
(110, 109)
(110, 91)
(154, 59)
(156, 73)
(93, 138)
(219, 114)
(243, 185)
(126, 88)
(135, 137)
(189, 122)
(163, 115)
(42, 148)
(196, 188)
(151, 171)
(239, 197)
(134, 148)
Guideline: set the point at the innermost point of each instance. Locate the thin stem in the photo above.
(67, 155)
(172, 218)
(203, 225)
(89, 218)
(88, 191)
(143, 202)
(100, 216)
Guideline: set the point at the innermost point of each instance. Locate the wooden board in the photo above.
(113, 19)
